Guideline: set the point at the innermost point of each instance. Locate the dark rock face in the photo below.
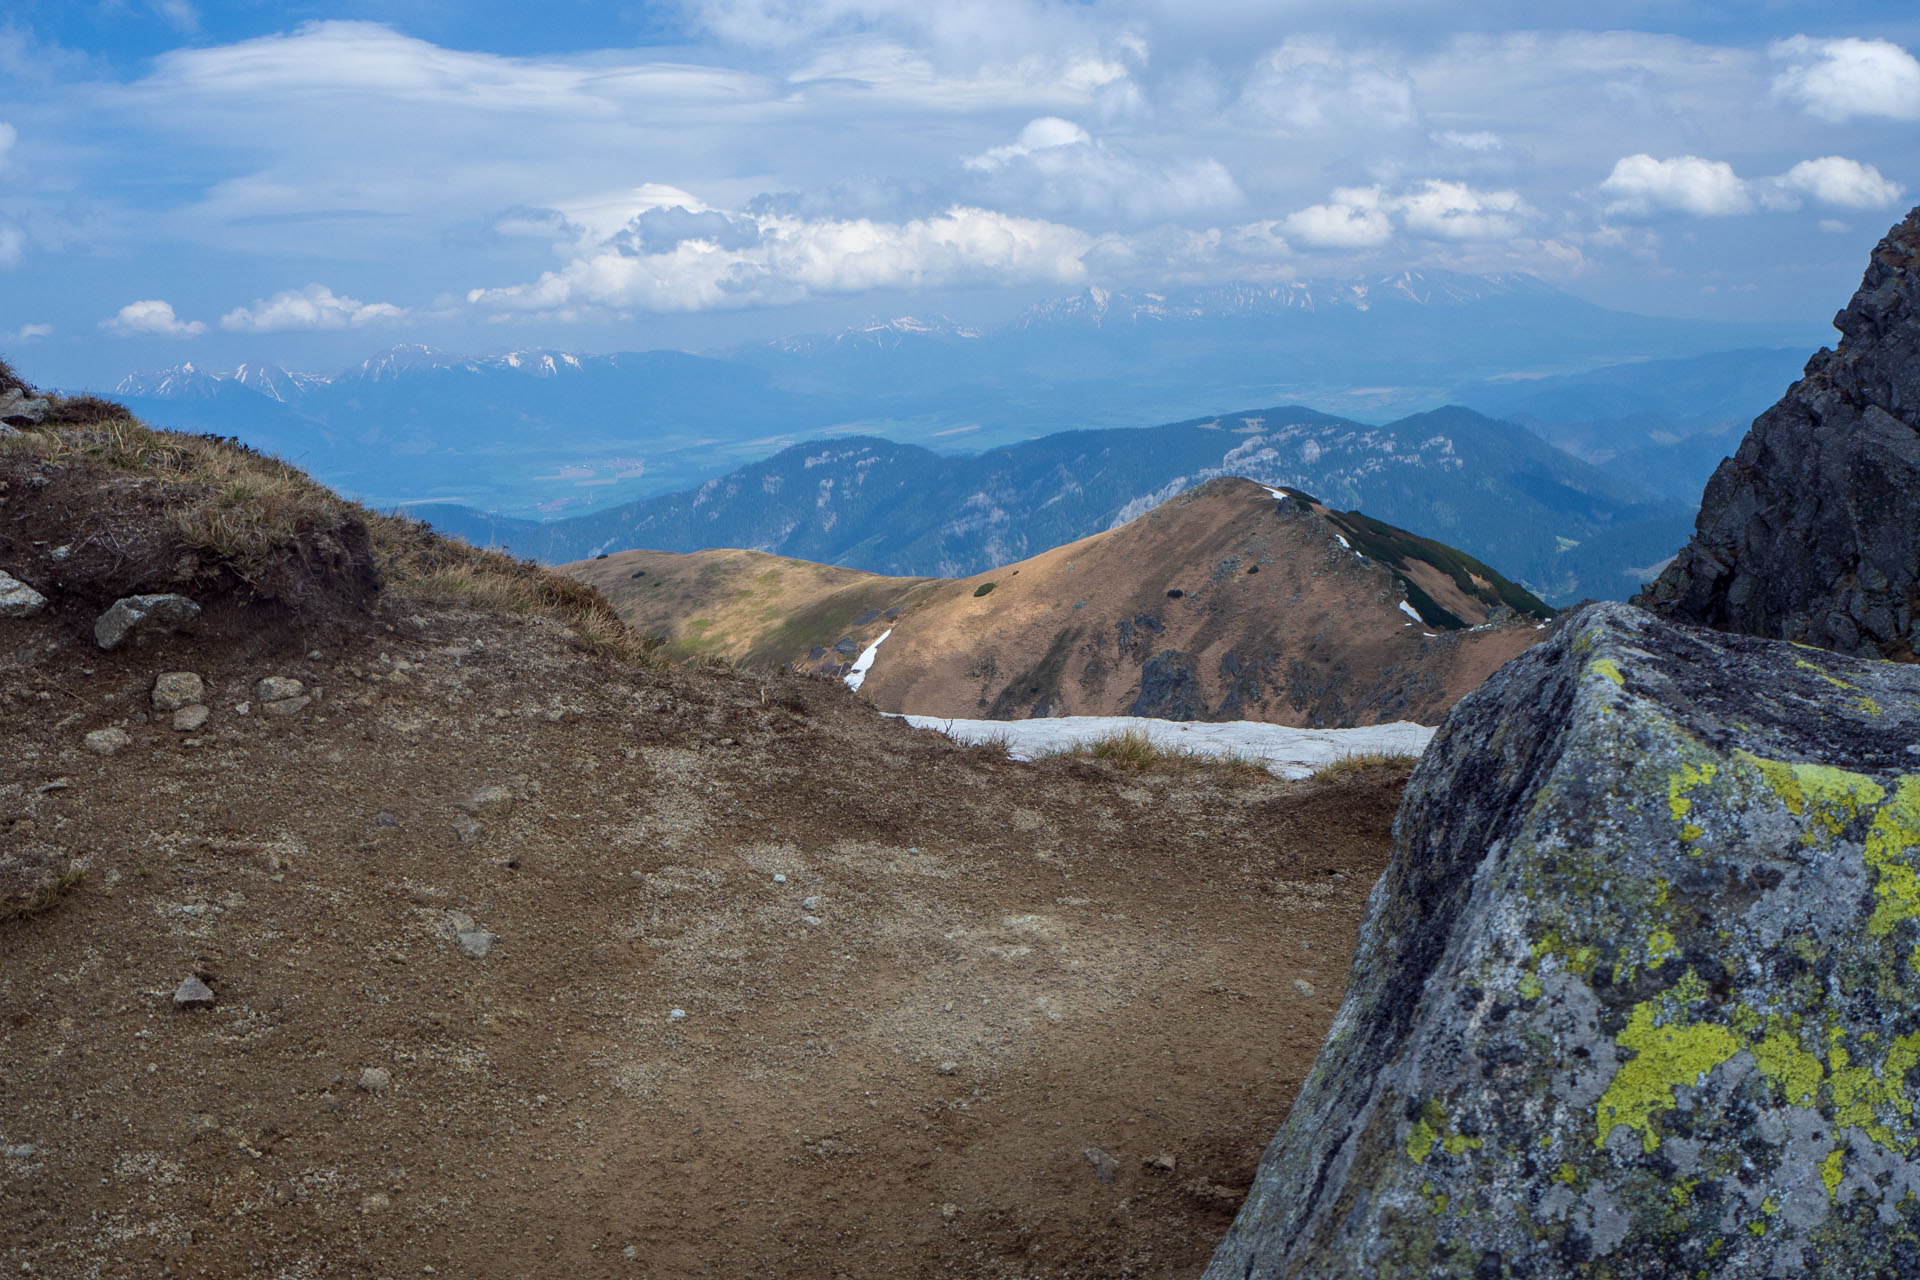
(1639, 992)
(1168, 690)
(1811, 532)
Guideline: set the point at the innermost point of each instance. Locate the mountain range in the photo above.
(1562, 527)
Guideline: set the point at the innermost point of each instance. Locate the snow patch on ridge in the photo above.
(864, 663)
(1290, 753)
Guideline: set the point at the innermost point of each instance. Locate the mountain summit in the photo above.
(1811, 532)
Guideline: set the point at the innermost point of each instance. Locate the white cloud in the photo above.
(1353, 218)
(1479, 140)
(152, 317)
(30, 332)
(1836, 180)
(1057, 167)
(1310, 86)
(1455, 211)
(1836, 80)
(13, 245)
(1833, 226)
(1045, 134)
(8, 136)
(793, 258)
(314, 307)
(1640, 186)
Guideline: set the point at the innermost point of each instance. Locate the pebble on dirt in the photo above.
(105, 742)
(187, 719)
(17, 599)
(173, 690)
(193, 994)
(374, 1079)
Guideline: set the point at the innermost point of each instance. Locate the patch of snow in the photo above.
(1343, 542)
(1291, 753)
(1275, 492)
(864, 663)
(1411, 612)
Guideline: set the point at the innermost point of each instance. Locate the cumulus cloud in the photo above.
(1353, 218)
(796, 258)
(1838, 181)
(1455, 211)
(1640, 186)
(314, 307)
(1057, 167)
(1364, 217)
(151, 317)
(1310, 86)
(1836, 80)
(29, 332)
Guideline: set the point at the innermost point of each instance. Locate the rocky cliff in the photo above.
(1811, 532)
(1639, 993)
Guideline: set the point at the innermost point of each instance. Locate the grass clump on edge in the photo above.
(42, 898)
(251, 515)
(1360, 761)
(1134, 751)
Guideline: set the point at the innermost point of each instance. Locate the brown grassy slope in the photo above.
(895, 1063)
(1274, 619)
(746, 607)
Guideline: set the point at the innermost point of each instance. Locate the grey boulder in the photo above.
(143, 615)
(1639, 991)
(17, 599)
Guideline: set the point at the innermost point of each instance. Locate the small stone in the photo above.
(20, 1151)
(143, 615)
(678, 1015)
(629, 1252)
(485, 798)
(276, 688)
(375, 1203)
(17, 599)
(947, 1068)
(810, 903)
(386, 820)
(466, 830)
(949, 1212)
(58, 784)
(173, 690)
(778, 878)
(374, 1079)
(476, 942)
(1162, 1163)
(1105, 1167)
(193, 994)
(242, 708)
(107, 741)
(187, 719)
(285, 706)
(1304, 987)
(314, 655)
(812, 922)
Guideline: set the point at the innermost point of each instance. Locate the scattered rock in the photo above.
(193, 994)
(173, 690)
(385, 820)
(846, 646)
(466, 830)
(242, 708)
(19, 407)
(285, 706)
(1636, 983)
(476, 942)
(105, 742)
(812, 922)
(1105, 1167)
(677, 1015)
(778, 878)
(810, 903)
(17, 599)
(376, 1202)
(947, 1068)
(374, 1079)
(187, 719)
(143, 616)
(1162, 1163)
(278, 688)
(1304, 987)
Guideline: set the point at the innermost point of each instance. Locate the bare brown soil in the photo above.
(1007, 966)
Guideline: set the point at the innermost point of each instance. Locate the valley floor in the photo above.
(527, 963)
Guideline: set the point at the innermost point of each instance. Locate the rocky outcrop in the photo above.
(1811, 532)
(1639, 992)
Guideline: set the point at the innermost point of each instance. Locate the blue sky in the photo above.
(307, 182)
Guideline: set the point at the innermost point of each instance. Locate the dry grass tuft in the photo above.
(43, 898)
(1134, 751)
(1361, 761)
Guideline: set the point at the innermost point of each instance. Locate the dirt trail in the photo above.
(940, 1008)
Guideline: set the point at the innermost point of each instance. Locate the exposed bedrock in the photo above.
(1639, 992)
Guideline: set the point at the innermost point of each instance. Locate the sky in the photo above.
(306, 183)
